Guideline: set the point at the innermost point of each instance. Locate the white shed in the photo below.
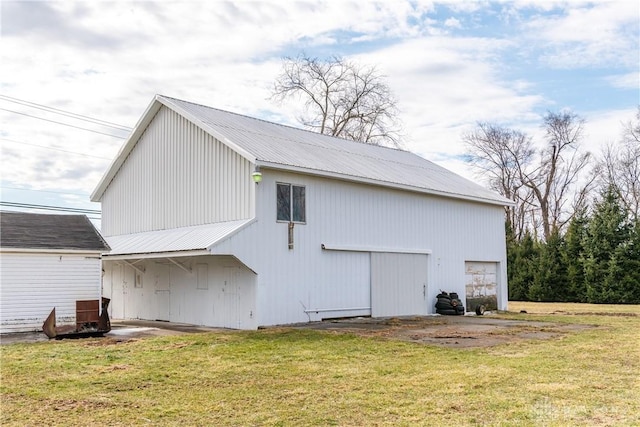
(333, 228)
(46, 261)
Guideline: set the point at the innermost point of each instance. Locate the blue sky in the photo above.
(450, 65)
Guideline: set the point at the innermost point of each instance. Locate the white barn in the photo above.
(334, 228)
(46, 261)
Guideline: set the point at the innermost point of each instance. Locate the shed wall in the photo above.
(177, 175)
(31, 285)
(203, 290)
(291, 281)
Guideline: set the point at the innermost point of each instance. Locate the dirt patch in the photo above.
(449, 331)
(121, 331)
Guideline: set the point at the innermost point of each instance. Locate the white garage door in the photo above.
(481, 284)
(398, 284)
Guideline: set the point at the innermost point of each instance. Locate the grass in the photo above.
(302, 377)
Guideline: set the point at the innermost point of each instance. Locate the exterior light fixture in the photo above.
(257, 175)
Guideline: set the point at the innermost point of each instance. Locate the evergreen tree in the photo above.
(632, 263)
(550, 273)
(622, 282)
(521, 269)
(573, 258)
(606, 245)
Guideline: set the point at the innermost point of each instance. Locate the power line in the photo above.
(61, 123)
(54, 148)
(64, 113)
(50, 208)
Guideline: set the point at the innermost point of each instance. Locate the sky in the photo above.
(75, 76)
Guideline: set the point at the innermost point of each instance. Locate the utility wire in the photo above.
(53, 148)
(61, 123)
(64, 113)
(50, 208)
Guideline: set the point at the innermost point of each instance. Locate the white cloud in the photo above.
(107, 60)
(605, 126)
(625, 81)
(599, 34)
(445, 85)
(453, 23)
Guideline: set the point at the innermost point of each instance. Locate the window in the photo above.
(291, 203)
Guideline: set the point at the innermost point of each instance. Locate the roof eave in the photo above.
(151, 255)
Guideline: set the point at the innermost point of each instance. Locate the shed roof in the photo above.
(42, 231)
(272, 145)
(175, 240)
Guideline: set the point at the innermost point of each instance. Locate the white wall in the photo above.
(350, 214)
(217, 291)
(31, 285)
(177, 175)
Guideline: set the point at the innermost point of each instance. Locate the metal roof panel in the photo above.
(286, 146)
(198, 237)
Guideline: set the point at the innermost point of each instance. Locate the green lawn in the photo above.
(302, 377)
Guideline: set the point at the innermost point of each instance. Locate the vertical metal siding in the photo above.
(349, 214)
(177, 175)
(33, 284)
(290, 283)
(171, 293)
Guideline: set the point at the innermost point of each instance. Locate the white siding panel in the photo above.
(32, 285)
(355, 215)
(339, 285)
(299, 284)
(177, 175)
(171, 293)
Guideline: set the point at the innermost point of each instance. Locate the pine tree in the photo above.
(632, 265)
(550, 273)
(520, 270)
(573, 258)
(608, 235)
(622, 282)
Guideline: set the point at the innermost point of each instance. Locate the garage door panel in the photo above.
(481, 285)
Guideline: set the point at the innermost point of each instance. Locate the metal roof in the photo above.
(175, 240)
(22, 230)
(273, 144)
(283, 147)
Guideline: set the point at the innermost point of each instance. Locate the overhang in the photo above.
(175, 242)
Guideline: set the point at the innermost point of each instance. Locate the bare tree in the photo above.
(548, 185)
(631, 132)
(498, 154)
(341, 98)
(556, 181)
(621, 166)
